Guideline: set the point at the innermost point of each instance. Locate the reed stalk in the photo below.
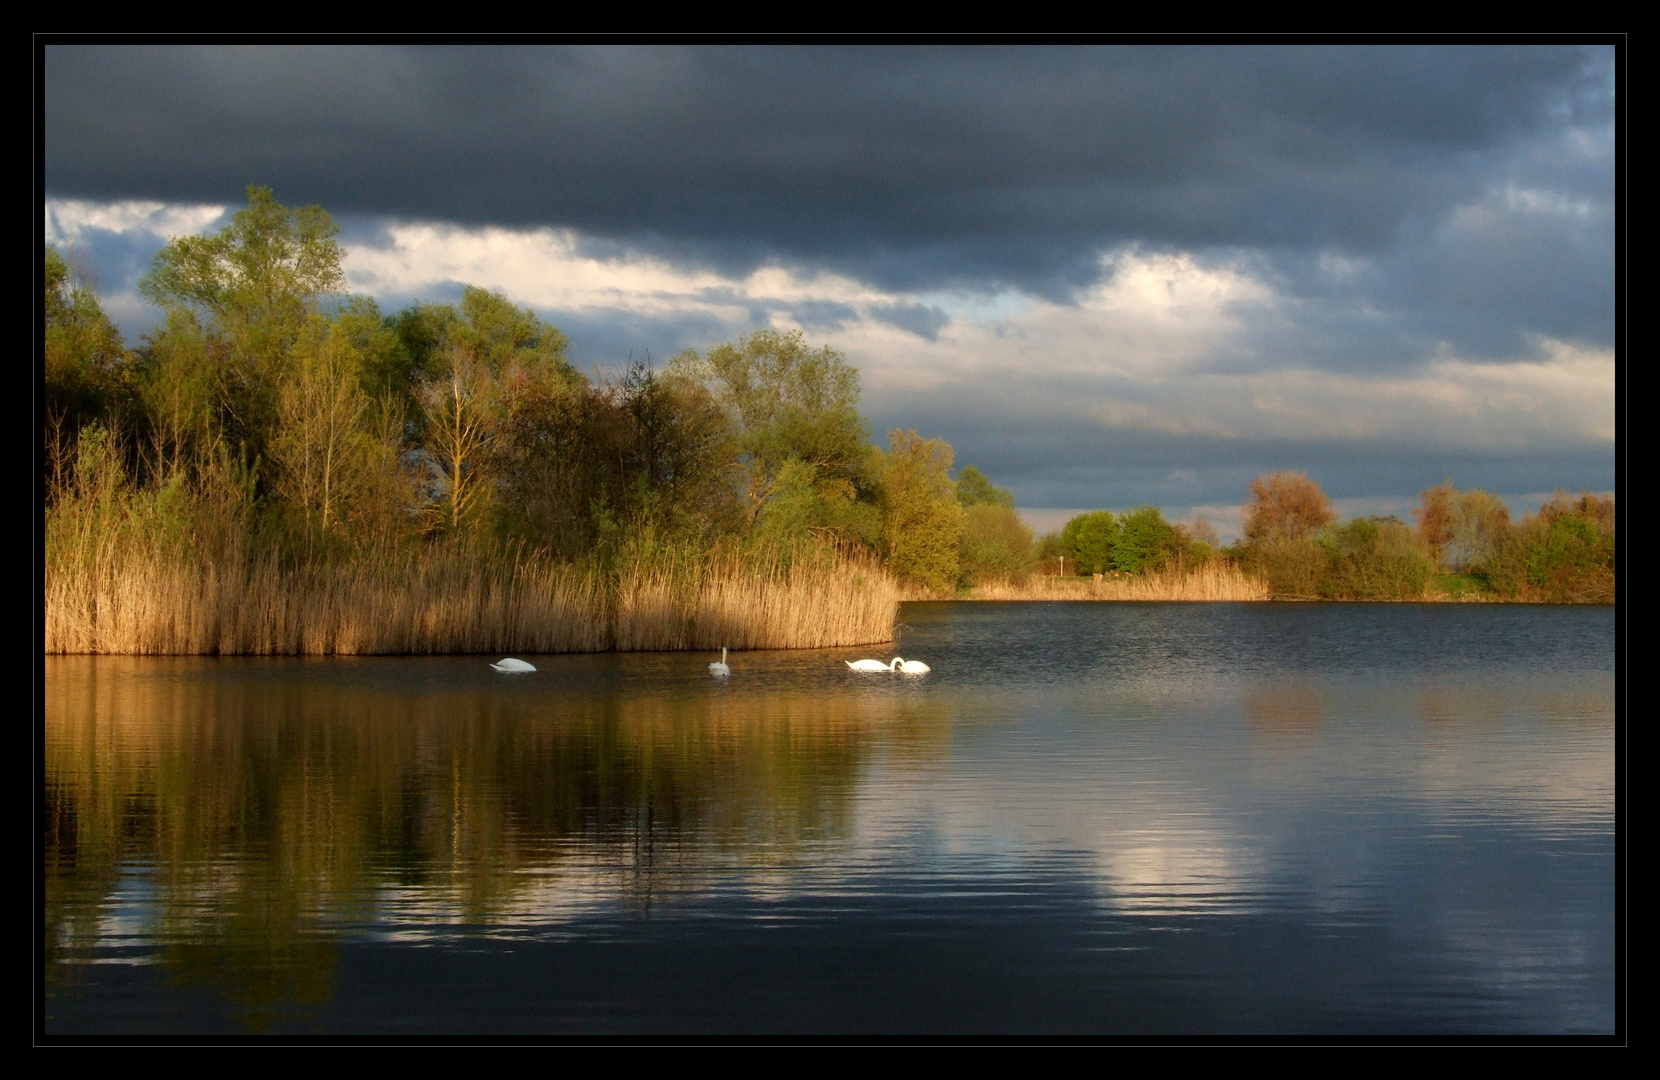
(121, 589)
(1211, 582)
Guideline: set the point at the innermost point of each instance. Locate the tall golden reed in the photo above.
(118, 594)
(1213, 582)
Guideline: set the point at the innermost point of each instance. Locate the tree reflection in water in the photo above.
(232, 828)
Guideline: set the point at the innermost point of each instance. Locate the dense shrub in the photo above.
(1145, 541)
(1374, 559)
(1563, 554)
(1088, 540)
(997, 545)
(1293, 568)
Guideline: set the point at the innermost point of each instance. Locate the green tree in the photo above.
(676, 445)
(463, 425)
(975, 489)
(250, 289)
(384, 366)
(1375, 558)
(786, 402)
(997, 545)
(322, 447)
(1087, 542)
(85, 360)
(1145, 541)
(508, 338)
(923, 521)
(178, 386)
(806, 503)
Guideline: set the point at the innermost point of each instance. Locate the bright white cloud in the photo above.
(68, 221)
(546, 269)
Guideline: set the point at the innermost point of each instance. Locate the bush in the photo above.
(1087, 542)
(1293, 568)
(1146, 541)
(997, 545)
(1374, 559)
(1563, 554)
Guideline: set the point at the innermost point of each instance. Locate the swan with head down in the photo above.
(867, 665)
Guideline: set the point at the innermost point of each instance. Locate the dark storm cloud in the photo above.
(914, 168)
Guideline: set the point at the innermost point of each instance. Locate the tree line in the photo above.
(339, 431)
(1460, 543)
(336, 431)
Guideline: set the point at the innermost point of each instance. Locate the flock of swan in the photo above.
(510, 666)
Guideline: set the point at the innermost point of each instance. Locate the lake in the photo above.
(1088, 819)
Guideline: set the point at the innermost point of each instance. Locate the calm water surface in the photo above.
(1089, 818)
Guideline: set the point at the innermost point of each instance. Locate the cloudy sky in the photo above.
(1108, 276)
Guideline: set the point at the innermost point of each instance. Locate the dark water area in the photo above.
(1088, 819)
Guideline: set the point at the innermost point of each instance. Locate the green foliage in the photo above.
(1145, 541)
(974, 489)
(383, 366)
(1087, 542)
(579, 464)
(1565, 553)
(1568, 561)
(258, 277)
(422, 331)
(179, 390)
(86, 366)
(1374, 559)
(922, 519)
(805, 503)
(506, 338)
(786, 402)
(321, 448)
(1295, 568)
(997, 545)
(248, 291)
(1459, 586)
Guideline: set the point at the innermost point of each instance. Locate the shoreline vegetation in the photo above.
(281, 468)
(455, 602)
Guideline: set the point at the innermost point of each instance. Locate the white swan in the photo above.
(513, 667)
(909, 667)
(720, 670)
(867, 665)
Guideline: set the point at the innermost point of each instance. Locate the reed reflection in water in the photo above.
(1088, 818)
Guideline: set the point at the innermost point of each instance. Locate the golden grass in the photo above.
(731, 602)
(118, 595)
(1211, 582)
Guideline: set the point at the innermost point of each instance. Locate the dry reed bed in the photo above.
(131, 602)
(1212, 582)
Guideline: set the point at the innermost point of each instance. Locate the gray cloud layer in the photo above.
(907, 166)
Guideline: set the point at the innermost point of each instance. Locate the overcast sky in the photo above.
(1106, 276)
